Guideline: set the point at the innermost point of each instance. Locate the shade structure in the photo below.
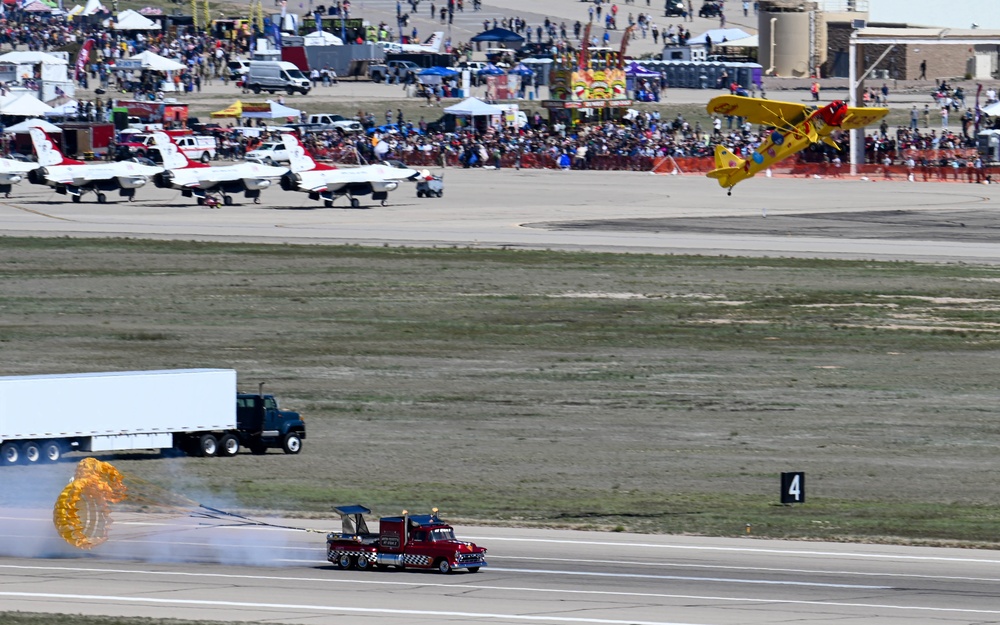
(24, 105)
(133, 20)
(491, 70)
(718, 34)
(438, 71)
(321, 38)
(991, 109)
(498, 35)
(636, 70)
(28, 124)
(37, 7)
(746, 42)
(233, 110)
(66, 109)
(27, 57)
(522, 70)
(153, 61)
(273, 110)
(473, 107)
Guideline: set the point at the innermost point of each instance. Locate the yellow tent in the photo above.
(233, 110)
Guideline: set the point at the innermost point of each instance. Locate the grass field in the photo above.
(612, 392)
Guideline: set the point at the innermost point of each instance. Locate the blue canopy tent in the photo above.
(498, 35)
(491, 70)
(439, 71)
(522, 70)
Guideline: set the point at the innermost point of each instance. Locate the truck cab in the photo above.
(262, 424)
(420, 541)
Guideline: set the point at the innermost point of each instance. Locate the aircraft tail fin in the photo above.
(434, 43)
(726, 164)
(299, 159)
(47, 150)
(173, 158)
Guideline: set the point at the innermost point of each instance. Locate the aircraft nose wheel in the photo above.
(256, 200)
(355, 202)
(383, 202)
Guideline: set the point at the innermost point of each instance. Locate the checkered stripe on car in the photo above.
(333, 554)
(416, 560)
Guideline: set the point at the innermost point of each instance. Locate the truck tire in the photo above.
(443, 566)
(52, 451)
(206, 157)
(229, 445)
(207, 445)
(292, 443)
(257, 448)
(363, 563)
(345, 562)
(10, 453)
(32, 452)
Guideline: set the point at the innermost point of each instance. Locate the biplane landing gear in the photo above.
(730, 191)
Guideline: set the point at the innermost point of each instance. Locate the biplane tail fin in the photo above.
(726, 164)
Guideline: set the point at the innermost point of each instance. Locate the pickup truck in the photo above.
(196, 147)
(393, 69)
(330, 121)
(269, 153)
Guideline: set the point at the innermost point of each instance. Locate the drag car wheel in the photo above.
(363, 563)
(345, 562)
(440, 193)
(443, 566)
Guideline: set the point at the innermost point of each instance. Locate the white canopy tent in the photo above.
(277, 111)
(473, 107)
(746, 42)
(28, 124)
(67, 109)
(322, 38)
(133, 20)
(24, 105)
(155, 62)
(27, 57)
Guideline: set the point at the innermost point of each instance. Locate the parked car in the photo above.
(269, 154)
(710, 9)
(674, 8)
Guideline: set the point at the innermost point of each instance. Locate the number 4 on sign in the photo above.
(793, 487)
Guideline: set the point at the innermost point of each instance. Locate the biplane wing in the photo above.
(762, 112)
(860, 117)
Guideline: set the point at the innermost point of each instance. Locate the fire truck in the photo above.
(417, 541)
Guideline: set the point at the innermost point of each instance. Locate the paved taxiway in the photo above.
(185, 568)
(606, 211)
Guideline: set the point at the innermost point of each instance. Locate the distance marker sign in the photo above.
(793, 487)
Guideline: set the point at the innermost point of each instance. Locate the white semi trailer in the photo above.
(197, 411)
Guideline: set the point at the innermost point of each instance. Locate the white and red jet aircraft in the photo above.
(12, 172)
(325, 182)
(199, 179)
(75, 178)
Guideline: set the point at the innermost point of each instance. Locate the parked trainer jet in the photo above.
(74, 178)
(199, 180)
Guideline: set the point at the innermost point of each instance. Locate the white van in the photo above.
(272, 76)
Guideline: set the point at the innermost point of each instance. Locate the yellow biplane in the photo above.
(795, 127)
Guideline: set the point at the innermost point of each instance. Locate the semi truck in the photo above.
(417, 541)
(193, 411)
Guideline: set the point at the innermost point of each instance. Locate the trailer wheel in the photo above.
(32, 452)
(10, 453)
(363, 563)
(229, 445)
(345, 562)
(443, 566)
(52, 451)
(207, 445)
(292, 443)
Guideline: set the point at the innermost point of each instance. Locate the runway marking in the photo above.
(783, 552)
(749, 568)
(324, 608)
(691, 578)
(35, 212)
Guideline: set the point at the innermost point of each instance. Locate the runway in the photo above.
(577, 210)
(185, 569)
